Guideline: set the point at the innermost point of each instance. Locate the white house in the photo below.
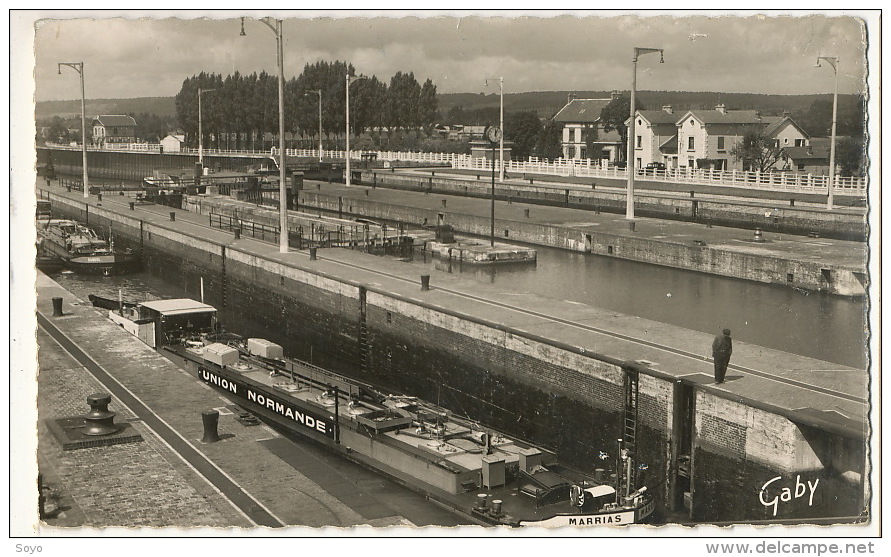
(711, 135)
(172, 143)
(655, 138)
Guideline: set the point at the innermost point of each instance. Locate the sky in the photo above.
(146, 54)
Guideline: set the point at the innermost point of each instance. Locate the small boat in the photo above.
(488, 476)
(81, 249)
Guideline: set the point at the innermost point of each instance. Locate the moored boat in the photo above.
(81, 249)
(487, 475)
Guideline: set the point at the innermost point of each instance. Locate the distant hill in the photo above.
(164, 107)
(547, 103)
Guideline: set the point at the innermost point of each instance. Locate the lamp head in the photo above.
(242, 34)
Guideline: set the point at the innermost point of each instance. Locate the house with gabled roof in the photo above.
(784, 131)
(114, 128)
(656, 137)
(710, 135)
(583, 130)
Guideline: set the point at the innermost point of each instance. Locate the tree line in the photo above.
(240, 109)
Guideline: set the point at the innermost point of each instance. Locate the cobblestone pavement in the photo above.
(142, 484)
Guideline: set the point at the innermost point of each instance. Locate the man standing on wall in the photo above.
(722, 347)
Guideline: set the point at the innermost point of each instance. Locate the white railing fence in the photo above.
(798, 182)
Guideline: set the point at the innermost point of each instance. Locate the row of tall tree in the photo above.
(246, 106)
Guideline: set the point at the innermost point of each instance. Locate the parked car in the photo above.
(655, 166)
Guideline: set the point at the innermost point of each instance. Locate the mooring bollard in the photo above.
(496, 507)
(481, 501)
(132, 205)
(312, 253)
(631, 225)
(210, 419)
(443, 202)
(57, 307)
(759, 237)
(526, 212)
(792, 202)
(237, 233)
(99, 420)
(425, 282)
(172, 215)
(99, 196)
(692, 193)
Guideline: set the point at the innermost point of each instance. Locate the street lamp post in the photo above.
(629, 164)
(832, 61)
(349, 79)
(501, 127)
(79, 68)
(319, 92)
(200, 133)
(276, 26)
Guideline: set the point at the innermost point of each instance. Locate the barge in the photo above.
(81, 249)
(484, 474)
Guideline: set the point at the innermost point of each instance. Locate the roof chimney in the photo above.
(721, 108)
(786, 114)
(667, 108)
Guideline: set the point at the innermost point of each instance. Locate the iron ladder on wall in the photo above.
(629, 432)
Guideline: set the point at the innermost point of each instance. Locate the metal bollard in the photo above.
(172, 215)
(237, 232)
(210, 419)
(526, 212)
(759, 237)
(57, 307)
(792, 202)
(631, 225)
(496, 507)
(99, 196)
(132, 205)
(366, 193)
(481, 501)
(425, 282)
(99, 420)
(312, 253)
(443, 202)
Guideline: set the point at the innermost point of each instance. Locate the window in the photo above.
(691, 143)
(639, 142)
(799, 142)
(721, 144)
(570, 152)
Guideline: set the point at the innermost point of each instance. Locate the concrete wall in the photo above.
(562, 397)
(706, 259)
(783, 217)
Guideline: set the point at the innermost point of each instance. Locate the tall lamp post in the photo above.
(629, 164)
(319, 92)
(276, 26)
(200, 133)
(832, 61)
(501, 127)
(79, 68)
(349, 79)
